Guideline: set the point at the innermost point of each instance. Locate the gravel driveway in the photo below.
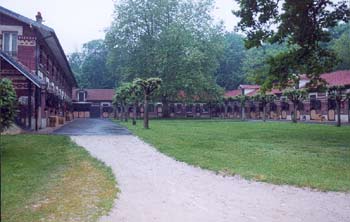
(156, 188)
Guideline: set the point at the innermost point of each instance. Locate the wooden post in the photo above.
(30, 104)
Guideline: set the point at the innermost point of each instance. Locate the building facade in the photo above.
(318, 106)
(32, 57)
(93, 103)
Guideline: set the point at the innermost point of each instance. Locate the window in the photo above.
(313, 96)
(9, 44)
(81, 96)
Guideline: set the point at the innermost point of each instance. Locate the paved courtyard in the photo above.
(89, 126)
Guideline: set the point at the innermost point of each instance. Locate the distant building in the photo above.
(93, 103)
(318, 105)
(97, 103)
(32, 57)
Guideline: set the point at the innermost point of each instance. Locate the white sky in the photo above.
(79, 21)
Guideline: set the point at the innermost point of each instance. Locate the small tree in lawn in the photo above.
(296, 96)
(148, 86)
(135, 97)
(338, 94)
(264, 99)
(225, 101)
(242, 99)
(7, 104)
(123, 94)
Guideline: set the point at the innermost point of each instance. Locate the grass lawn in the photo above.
(49, 178)
(307, 155)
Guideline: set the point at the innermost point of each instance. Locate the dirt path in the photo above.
(157, 188)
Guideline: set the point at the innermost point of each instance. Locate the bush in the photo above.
(7, 104)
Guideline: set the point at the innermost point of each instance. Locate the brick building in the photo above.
(93, 103)
(32, 57)
(318, 106)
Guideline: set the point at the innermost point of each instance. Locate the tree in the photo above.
(90, 66)
(303, 25)
(342, 48)
(338, 94)
(229, 75)
(149, 87)
(296, 96)
(175, 40)
(254, 64)
(135, 97)
(264, 99)
(7, 104)
(123, 95)
(242, 99)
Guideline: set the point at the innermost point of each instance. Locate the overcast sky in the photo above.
(79, 21)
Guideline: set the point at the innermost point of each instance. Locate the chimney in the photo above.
(39, 18)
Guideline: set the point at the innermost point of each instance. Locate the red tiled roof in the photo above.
(253, 93)
(249, 86)
(338, 78)
(233, 93)
(96, 94)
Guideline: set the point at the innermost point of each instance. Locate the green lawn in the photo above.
(309, 155)
(48, 178)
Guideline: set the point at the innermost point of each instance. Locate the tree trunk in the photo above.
(294, 117)
(116, 112)
(243, 112)
(338, 113)
(126, 112)
(210, 111)
(166, 112)
(145, 116)
(225, 112)
(134, 113)
(122, 111)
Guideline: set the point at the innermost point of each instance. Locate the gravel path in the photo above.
(156, 188)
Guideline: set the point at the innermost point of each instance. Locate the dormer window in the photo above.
(9, 43)
(81, 96)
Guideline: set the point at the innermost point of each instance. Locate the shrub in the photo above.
(7, 104)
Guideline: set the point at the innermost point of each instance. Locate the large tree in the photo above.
(303, 25)
(90, 66)
(175, 40)
(230, 74)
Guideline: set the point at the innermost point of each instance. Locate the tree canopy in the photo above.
(176, 41)
(303, 25)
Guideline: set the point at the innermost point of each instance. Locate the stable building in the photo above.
(93, 103)
(32, 57)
